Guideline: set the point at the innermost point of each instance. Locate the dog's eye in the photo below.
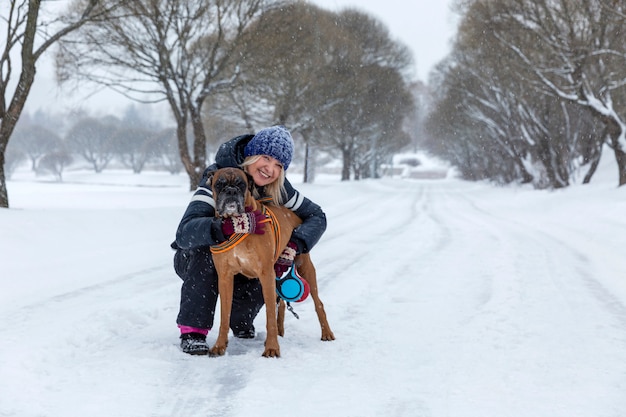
(241, 184)
(220, 183)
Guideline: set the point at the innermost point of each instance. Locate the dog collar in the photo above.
(237, 238)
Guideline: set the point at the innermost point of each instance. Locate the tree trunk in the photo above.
(29, 56)
(616, 137)
(305, 178)
(199, 147)
(347, 162)
(592, 168)
(620, 157)
(25, 82)
(308, 175)
(192, 167)
(4, 195)
(527, 177)
(546, 153)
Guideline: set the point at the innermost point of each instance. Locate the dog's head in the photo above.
(231, 191)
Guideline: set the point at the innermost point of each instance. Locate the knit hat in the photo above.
(274, 141)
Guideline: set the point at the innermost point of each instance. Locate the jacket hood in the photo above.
(231, 153)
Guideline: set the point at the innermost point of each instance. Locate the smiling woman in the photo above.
(268, 156)
(264, 169)
(265, 157)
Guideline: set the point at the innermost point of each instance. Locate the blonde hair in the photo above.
(275, 189)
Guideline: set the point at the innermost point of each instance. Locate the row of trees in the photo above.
(324, 75)
(28, 37)
(130, 141)
(336, 80)
(52, 142)
(533, 90)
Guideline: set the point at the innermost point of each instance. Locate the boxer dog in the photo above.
(254, 256)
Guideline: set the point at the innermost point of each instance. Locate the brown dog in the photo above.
(254, 256)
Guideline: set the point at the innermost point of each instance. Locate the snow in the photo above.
(447, 298)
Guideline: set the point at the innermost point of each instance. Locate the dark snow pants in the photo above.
(199, 292)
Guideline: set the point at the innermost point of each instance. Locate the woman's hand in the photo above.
(249, 222)
(285, 260)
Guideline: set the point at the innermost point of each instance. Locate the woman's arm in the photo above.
(313, 218)
(199, 227)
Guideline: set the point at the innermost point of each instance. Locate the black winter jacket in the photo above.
(200, 228)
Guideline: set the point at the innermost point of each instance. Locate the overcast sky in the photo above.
(426, 26)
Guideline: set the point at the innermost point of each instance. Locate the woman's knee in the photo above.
(194, 264)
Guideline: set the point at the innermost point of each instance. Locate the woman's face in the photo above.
(265, 170)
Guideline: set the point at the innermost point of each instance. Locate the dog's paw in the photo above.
(271, 353)
(217, 351)
(327, 336)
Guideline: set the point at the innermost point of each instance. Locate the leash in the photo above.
(237, 238)
(232, 241)
(289, 307)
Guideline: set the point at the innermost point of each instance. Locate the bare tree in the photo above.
(132, 146)
(371, 95)
(176, 51)
(341, 85)
(284, 52)
(94, 140)
(35, 141)
(29, 35)
(164, 148)
(13, 157)
(582, 60)
(497, 117)
(55, 163)
(285, 63)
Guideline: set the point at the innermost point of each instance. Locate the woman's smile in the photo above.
(265, 170)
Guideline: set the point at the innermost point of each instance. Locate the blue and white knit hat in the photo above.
(275, 141)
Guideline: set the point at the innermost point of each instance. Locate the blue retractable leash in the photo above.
(291, 287)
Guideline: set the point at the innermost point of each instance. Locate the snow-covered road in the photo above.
(447, 298)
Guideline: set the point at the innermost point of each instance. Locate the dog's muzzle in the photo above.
(230, 202)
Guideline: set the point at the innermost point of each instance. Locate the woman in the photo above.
(265, 157)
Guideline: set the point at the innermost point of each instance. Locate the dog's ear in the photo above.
(209, 178)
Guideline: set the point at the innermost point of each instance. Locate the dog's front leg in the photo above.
(225, 286)
(268, 284)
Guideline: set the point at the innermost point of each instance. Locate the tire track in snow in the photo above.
(137, 281)
(412, 237)
(206, 386)
(571, 258)
(142, 278)
(473, 310)
(536, 322)
(389, 216)
(88, 338)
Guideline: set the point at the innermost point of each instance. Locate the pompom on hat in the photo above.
(275, 141)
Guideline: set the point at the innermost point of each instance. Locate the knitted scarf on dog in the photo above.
(237, 238)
